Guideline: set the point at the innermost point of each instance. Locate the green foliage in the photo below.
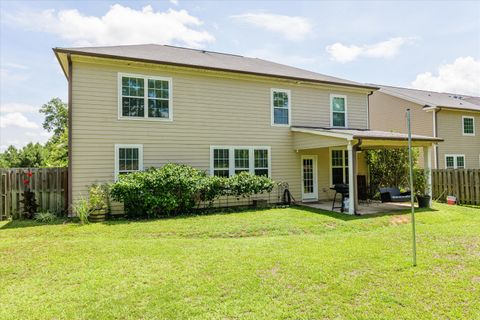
(30, 156)
(54, 153)
(245, 184)
(56, 117)
(389, 167)
(420, 184)
(98, 197)
(45, 217)
(81, 209)
(57, 151)
(177, 189)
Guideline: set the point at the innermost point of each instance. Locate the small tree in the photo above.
(389, 167)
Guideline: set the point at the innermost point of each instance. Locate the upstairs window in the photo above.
(468, 126)
(455, 161)
(128, 158)
(145, 97)
(281, 112)
(339, 165)
(338, 111)
(228, 161)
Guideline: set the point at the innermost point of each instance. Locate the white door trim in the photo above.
(314, 195)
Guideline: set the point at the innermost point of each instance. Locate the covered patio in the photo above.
(348, 144)
(363, 208)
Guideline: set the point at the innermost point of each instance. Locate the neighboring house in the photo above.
(134, 107)
(454, 117)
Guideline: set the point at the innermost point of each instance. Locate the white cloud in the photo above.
(291, 27)
(119, 25)
(385, 49)
(175, 2)
(462, 76)
(16, 119)
(18, 107)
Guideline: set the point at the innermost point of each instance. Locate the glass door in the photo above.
(309, 178)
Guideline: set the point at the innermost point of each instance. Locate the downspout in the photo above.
(353, 192)
(368, 110)
(69, 126)
(435, 134)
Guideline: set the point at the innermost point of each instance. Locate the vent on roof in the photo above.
(457, 97)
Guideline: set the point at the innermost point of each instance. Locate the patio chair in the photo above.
(393, 194)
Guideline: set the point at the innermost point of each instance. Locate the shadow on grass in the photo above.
(23, 223)
(347, 217)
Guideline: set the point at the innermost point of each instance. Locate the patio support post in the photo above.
(427, 164)
(352, 173)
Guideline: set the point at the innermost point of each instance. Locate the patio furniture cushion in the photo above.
(393, 194)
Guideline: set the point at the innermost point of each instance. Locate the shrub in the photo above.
(175, 189)
(162, 191)
(245, 184)
(81, 209)
(98, 197)
(45, 217)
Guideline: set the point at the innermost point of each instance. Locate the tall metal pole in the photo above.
(412, 191)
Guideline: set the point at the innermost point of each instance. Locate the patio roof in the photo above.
(372, 138)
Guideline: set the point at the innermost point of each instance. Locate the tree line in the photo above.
(54, 153)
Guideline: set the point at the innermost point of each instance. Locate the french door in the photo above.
(309, 178)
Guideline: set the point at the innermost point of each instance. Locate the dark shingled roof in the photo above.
(164, 54)
(434, 99)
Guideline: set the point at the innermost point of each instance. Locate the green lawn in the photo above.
(273, 264)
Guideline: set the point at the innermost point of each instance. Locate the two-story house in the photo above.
(134, 107)
(454, 117)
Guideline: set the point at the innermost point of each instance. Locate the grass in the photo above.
(290, 263)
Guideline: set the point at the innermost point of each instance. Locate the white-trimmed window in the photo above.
(338, 111)
(468, 126)
(228, 161)
(454, 161)
(338, 166)
(144, 97)
(128, 158)
(281, 107)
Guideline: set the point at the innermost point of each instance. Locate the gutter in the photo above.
(69, 122)
(109, 56)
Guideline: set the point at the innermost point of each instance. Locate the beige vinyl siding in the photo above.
(387, 113)
(207, 110)
(449, 124)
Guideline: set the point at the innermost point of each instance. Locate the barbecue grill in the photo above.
(343, 190)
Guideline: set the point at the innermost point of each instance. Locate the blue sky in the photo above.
(426, 45)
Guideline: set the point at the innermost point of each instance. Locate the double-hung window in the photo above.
(281, 107)
(454, 161)
(145, 97)
(128, 158)
(339, 166)
(228, 161)
(468, 126)
(338, 111)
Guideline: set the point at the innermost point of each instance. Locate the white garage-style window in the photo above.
(454, 161)
(468, 126)
(128, 158)
(144, 97)
(338, 111)
(281, 107)
(228, 161)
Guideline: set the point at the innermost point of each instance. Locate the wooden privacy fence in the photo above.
(48, 184)
(461, 183)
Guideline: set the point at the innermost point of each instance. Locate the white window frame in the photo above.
(117, 156)
(455, 161)
(332, 96)
(463, 126)
(345, 165)
(272, 108)
(251, 158)
(145, 97)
